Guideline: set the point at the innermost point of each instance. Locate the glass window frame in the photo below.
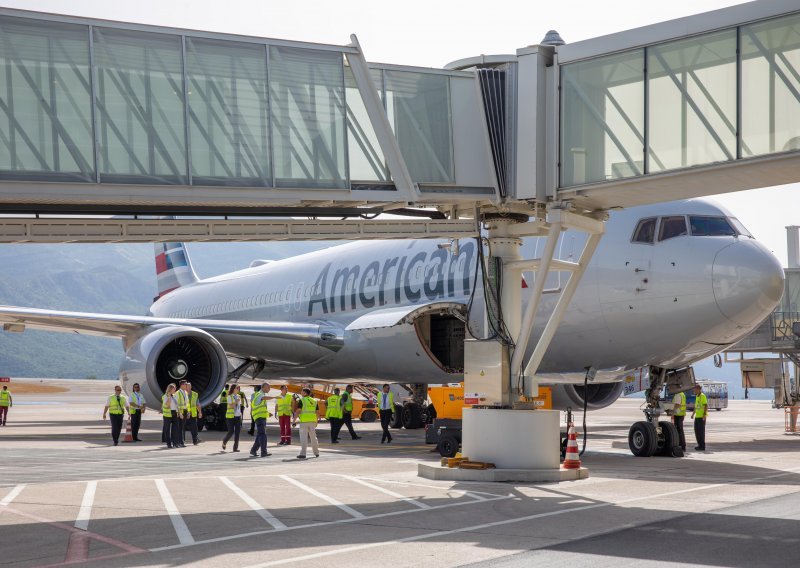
(662, 223)
(639, 225)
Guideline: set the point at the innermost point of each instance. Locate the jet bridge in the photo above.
(133, 123)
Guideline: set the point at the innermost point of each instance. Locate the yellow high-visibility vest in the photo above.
(116, 404)
(333, 408)
(5, 398)
(308, 413)
(681, 410)
(700, 405)
(285, 405)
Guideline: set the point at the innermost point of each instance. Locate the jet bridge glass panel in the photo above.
(711, 98)
(141, 127)
(228, 113)
(367, 162)
(771, 86)
(45, 101)
(418, 105)
(308, 114)
(692, 101)
(602, 119)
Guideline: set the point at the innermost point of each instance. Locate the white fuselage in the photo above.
(666, 303)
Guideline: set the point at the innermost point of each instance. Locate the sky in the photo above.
(431, 34)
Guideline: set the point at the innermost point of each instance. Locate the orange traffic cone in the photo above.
(572, 460)
(128, 432)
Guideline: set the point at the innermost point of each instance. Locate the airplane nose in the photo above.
(748, 282)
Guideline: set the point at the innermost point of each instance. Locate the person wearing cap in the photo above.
(115, 408)
(137, 407)
(305, 409)
(699, 414)
(260, 414)
(6, 402)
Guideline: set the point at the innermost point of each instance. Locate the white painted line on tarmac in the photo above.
(12, 494)
(85, 512)
(394, 494)
(253, 504)
(184, 536)
(327, 523)
(475, 496)
(484, 526)
(349, 510)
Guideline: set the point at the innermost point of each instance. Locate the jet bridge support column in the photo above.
(506, 430)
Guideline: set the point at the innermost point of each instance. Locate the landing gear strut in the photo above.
(654, 437)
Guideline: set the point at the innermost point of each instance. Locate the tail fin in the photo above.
(173, 268)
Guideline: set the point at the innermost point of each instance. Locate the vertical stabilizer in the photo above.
(173, 267)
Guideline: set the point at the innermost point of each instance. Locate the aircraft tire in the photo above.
(643, 439)
(369, 416)
(668, 440)
(448, 445)
(397, 417)
(411, 415)
(428, 414)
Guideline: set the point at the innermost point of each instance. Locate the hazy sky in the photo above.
(432, 33)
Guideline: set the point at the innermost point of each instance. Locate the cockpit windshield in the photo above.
(675, 226)
(711, 226)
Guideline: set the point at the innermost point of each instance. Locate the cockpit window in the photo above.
(741, 229)
(711, 226)
(672, 227)
(645, 231)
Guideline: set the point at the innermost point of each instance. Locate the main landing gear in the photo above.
(654, 437)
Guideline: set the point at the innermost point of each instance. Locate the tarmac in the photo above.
(68, 497)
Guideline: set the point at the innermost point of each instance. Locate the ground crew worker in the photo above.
(169, 410)
(260, 414)
(306, 410)
(183, 412)
(137, 408)
(333, 412)
(244, 404)
(115, 407)
(223, 402)
(283, 410)
(6, 402)
(233, 417)
(253, 420)
(386, 409)
(347, 411)
(678, 415)
(193, 413)
(699, 414)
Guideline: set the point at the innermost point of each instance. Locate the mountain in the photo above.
(106, 278)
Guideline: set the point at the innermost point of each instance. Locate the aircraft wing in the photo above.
(113, 325)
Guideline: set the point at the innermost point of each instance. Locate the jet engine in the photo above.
(171, 354)
(596, 395)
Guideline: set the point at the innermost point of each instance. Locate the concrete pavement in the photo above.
(67, 497)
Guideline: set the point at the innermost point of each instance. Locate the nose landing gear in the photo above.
(654, 437)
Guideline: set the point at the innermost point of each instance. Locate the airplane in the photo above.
(669, 284)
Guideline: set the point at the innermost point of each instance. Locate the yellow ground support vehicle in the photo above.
(448, 402)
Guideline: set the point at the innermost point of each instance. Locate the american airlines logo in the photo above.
(437, 274)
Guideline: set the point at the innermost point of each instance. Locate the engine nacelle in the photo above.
(598, 395)
(170, 354)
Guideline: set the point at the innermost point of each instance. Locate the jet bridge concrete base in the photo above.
(523, 444)
(441, 473)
